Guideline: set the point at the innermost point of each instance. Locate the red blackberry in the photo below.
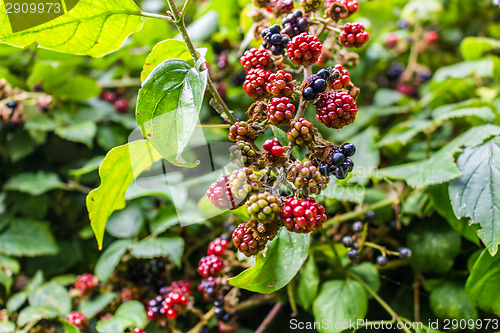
(301, 132)
(219, 194)
(280, 111)
(242, 154)
(78, 319)
(280, 84)
(273, 147)
(294, 24)
(139, 330)
(109, 96)
(154, 308)
(391, 40)
(343, 80)
(242, 131)
(431, 37)
(85, 282)
(254, 58)
(274, 40)
(303, 215)
(181, 287)
(307, 178)
(336, 109)
(209, 288)
(121, 105)
(311, 5)
(174, 304)
(340, 9)
(263, 207)
(210, 266)
(217, 246)
(251, 237)
(255, 83)
(304, 49)
(282, 6)
(353, 35)
(406, 89)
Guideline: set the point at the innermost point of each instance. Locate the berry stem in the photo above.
(181, 26)
(360, 213)
(206, 317)
(382, 249)
(269, 318)
(185, 8)
(156, 16)
(379, 299)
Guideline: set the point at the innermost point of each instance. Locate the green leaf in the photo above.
(168, 49)
(434, 246)
(27, 238)
(10, 263)
(440, 199)
(482, 68)
(340, 302)
(35, 314)
(473, 48)
(89, 166)
(308, 283)
(440, 167)
(119, 168)
(476, 195)
(110, 258)
(20, 145)
(367, 156)
(90, 28)
(83, 132)
(6, 280)
(93, 306)
(171, 247)
(115, 325)
(52, 295)
(7, 327)
(274, 269)
(283, 139)
(449, 301)
(34, 183)
(471, 108)
(68, 328)
(403, 132)
(134, 311)
(16, 301)
(127, 222)
(368, 273)
(166, 218)
(483, 284)
(168, 106)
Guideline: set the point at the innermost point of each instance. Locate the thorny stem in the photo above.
(379, 299)
(269, 318)
(178, 20)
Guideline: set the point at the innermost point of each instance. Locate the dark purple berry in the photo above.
(309, 94)
(382, 260)
(370, 216)
(319, 85)
(324, 169)
(353, 254)
(275, 29)
(349, 149)
(338, 159)
(404, 253)
(219, 312)
(324, 74)
(276, 39)
(347, 241)
(347, 166)
(357, 226)
(12, 105)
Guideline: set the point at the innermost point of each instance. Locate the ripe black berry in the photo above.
(404, 253)
(357, 226)
(204, 329)
(323, 73)
(294, 24)
(353, 254)
(219, 303)
(219, 312)
(347, 241)
(349, 149)
(319, 85)
(370, 216)
(395, 70)
(274, 41)
(338, 159)
(382, 260)
(309, 94)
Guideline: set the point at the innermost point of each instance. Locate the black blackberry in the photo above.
(358, 226)
(347, 241)
(370, 216)
(424, 76)
(148, 272)
(314, 85)
(382, 260)
(238, 79)
(404, 253)
(219, 312)
(204, 329)
(338, 162)
(395, 70)
(226, 318)
(274, 40)
(294, 24)
(353, 254)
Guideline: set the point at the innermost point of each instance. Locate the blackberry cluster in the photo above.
(263, 207)
(336, 109)
(210, 265)
(294, 24)
(226, 320)
(242, 131)
(280, 111)
(78, 319)
(304, 49)
(251, 237)
(149, 272)
(338, 162)
(343, 80)
(315, 85)
(340, 9)
(280, 84)
(217, 246)
(209, 288)
(154, 308)
(307, 178)
(255, 84)
(273, 147)
(274, 40)
(282, 6)
(395, 70)
(301, 132)
(303, 215)
(311, 5)
(353, 35)
(174, 304)
(253, 59)
(85, 283)
(242, 154)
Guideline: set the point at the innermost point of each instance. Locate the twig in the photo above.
(203, 321)
(269, 318)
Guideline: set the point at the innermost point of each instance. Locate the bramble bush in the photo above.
(242, 163)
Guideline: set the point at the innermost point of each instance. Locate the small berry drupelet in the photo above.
(314, 85)
(336, 109)
(307, 179)
(255, 84)
(304, 49)
(263, 207)
(405, 253)
(301, 132)
(311, 5)
(274, 40)
(280, 111)
(370, 216)
(353, 35)
(358, 226)
(273, 147)
(246, 240)
(303, 215)
(210, 266)
(253, 59)
(353, 254)
(217, 246)
(347, 241)
(121, 105)
(242, 154)
(85, 282)
(280, 84)
(382, 260)
(78, 319)
(294, 24)
(344, 79)
(242, 131)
